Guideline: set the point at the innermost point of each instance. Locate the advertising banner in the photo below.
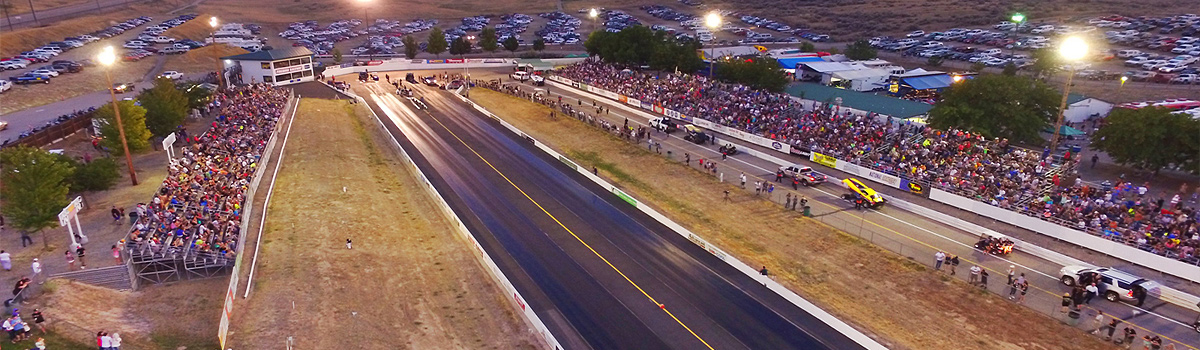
(624, 197)
(585, 87)
(623, 99)
(455, 60)
(744, 136)
(493, 60)
(634, 102)
(824, 160)
(374, 63)
(435, 61)
(914, 188)
(658, 109)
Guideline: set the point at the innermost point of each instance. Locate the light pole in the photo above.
(1123, 80)
(1017, 18)
(366, 16)
(1072, 49)
(107, 57)
(467, 67)
(212, 36)
(712, 21)
(593, 14)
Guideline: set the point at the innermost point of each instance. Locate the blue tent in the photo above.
(791, 62)
(936, 82)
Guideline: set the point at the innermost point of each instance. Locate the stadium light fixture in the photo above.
(107, 57)
(593, 13)
(212, 21)
(712, 20)
(1073, 48)
(1018, 18)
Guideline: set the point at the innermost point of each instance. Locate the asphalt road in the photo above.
(598, 272)
(897, 230)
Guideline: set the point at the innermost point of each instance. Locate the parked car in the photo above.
(1114, 285)
(30, 79)
(5, 85)
(173, 75)
(121, 88)
(45, 71)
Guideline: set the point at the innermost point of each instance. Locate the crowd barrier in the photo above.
(839, 325)
(513, 295)
(1169, 294)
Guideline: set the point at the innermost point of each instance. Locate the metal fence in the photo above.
(54, 132)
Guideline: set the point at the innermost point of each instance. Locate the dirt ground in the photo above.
(408, 282)
(176, 316)
(898, 300)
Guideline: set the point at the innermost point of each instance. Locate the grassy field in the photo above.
(19, 7)
(412, 283)
(175, 316)
(202, 59)
(886, 294)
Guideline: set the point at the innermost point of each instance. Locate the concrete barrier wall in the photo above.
(513, 295)
(839, 325)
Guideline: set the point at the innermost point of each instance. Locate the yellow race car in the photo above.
(859, 191)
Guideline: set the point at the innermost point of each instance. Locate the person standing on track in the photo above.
(743, 177)
(938, 259)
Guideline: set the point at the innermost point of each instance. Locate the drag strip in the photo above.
(601, 274)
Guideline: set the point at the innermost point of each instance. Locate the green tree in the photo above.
(197, 95)
(411, 47)
(133, 117)
(101, 174)
(671, 54)
(337, 55)
(166, 107)
(994, 105)
(487, 40)
(35, 188)
(460, 46)
(861, 50)
(759, 73)
(539, 44)
(437, 42)
(1150, 139)
(935, 61)
(1010, 69)
(511, 44)
(978, 67)
(1045, 62)
(807, 47)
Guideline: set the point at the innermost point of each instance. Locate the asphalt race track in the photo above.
(599, 273)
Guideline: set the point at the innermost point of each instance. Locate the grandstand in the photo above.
(1039, 184)
(191, 228)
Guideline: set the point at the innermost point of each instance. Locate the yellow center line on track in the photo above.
(560, 224)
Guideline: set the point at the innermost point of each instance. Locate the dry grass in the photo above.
(69, 85)
(884, 293)
(202, 59)
(285, 11)
(23, 39)
(849, 19)
(413, 284)
(158, 317)
(196, 29)
(20, 8)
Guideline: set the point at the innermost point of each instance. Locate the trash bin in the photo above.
(1075, 149)
(807, 211)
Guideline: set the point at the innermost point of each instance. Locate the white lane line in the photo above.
(972, 248)
(266, 202)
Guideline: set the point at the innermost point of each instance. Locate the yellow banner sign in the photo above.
(824, 160)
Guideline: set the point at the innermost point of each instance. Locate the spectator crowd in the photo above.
(1040, 184)
(198, 207)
